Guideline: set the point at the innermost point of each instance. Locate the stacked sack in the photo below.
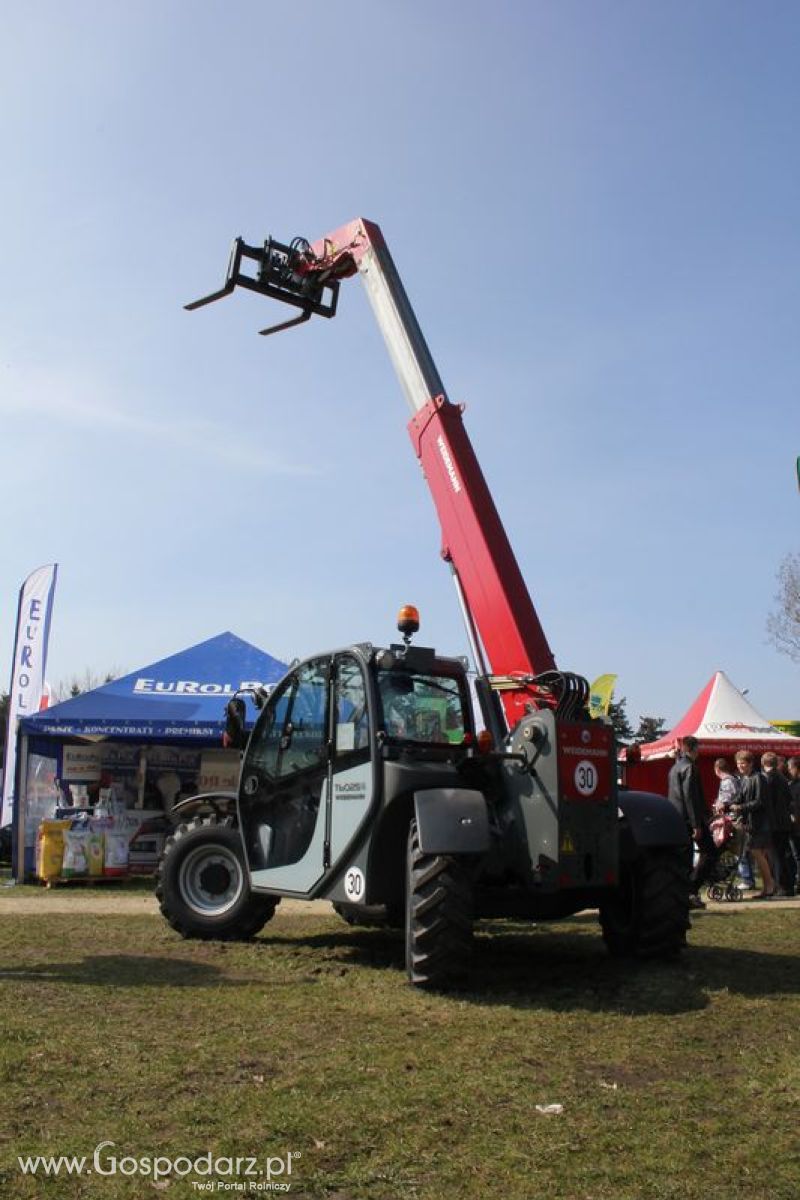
(83, 848)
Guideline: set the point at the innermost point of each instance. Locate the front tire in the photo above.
(439, 917)
(648, 914)
(202, 886)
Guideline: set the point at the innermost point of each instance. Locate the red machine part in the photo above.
(473, 538)
(585, 762)
(339, 253)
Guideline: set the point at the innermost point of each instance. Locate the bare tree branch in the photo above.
(77, 685)
(783, 625)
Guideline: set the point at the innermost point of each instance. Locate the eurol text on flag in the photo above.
(28, 667)
(600, 694)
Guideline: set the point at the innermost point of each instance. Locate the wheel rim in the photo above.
(211, 880)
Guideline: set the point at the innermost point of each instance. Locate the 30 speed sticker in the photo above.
(354, 884)
(586, 777)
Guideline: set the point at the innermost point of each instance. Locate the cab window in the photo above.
(294, 738)
(423, 708)
(351, 716)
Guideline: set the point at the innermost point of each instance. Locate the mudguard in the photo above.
(452, 821)
(652, 820)
(216, 802)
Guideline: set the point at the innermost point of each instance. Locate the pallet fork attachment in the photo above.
(282, 274)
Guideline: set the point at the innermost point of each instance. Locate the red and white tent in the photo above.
(723, 721)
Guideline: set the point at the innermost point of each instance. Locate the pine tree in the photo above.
(619, 719)
(650, 729)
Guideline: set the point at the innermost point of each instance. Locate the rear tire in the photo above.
(439, 917)
(202, 886)
(648, 914)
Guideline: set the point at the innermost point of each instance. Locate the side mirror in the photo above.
(235, 733)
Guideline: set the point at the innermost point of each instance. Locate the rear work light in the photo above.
(485, 742)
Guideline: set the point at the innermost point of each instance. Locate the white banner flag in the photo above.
(27, 672)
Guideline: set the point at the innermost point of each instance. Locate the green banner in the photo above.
(792, 728)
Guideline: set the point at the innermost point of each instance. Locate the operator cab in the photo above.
(419, 704)
(312, 774)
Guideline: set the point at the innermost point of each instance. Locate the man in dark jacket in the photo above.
(793, 767)
(751, 806)
(778, 803)
(685, 792)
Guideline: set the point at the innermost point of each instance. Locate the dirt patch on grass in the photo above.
(80, 898)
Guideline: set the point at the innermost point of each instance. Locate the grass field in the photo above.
(675, 1080)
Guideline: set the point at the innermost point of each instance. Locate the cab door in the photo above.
(284, 792)
(352, 777)
(307, 779)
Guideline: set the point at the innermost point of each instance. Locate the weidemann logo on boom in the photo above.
(448, 464)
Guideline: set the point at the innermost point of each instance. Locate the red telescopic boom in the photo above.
(506, 637)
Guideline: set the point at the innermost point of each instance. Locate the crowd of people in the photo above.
(761, 800)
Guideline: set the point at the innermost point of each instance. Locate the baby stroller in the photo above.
(730, 841)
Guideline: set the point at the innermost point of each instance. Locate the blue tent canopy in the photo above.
(180, 697)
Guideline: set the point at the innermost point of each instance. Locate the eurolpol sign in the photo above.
(27, 671)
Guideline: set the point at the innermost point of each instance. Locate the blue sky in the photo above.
(594, 210)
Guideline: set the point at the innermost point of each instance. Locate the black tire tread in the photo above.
(656, 924)
(245, 921)
(439, 918)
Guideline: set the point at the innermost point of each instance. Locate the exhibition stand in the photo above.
(98, 775)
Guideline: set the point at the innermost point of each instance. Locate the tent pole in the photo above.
(142, 777)
(21, 793)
